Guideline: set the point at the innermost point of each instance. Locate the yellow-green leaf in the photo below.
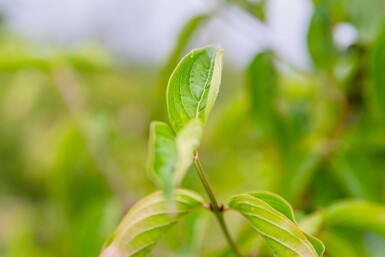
(193, 86)
(273, 218)
(146, 223)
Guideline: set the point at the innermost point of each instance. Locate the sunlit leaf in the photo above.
(193, 86)
(146, 223)
(273, 218)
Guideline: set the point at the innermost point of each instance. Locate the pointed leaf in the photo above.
(278, 228)
(281, 205)
(193, 86)
(146, 223)
(184, 38)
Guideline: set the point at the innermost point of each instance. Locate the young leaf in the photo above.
(184, 37)
(170, 157)
(357, 214)
(193, 86)
(162, 155)
(187, 142)
(146, 223)
(273, 218)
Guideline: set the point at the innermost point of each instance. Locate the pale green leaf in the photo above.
(187, 142)
(273, 218)
(193, 86)
(357, 214)
(146, 223)
(162, 155)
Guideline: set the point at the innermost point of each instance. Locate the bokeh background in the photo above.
(301, 112)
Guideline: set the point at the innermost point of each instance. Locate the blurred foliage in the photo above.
(74, 129)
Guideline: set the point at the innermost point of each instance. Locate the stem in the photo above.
(217, 210)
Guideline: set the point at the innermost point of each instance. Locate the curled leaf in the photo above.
(193, 86)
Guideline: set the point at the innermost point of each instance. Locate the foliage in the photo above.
(74, 133)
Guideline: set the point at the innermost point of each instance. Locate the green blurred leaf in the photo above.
(352, 173)
(320, 38)
(256, 8)
(378, 64)
(338, 245)
(162, 155)
(193, 86)
(357, 214)
(146, 223)
(273, 218)
(263, 84)
(170, 157)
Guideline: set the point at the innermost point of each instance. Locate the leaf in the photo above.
(351, 170)
(162, 155)
(338, 245)
(146, 223)
(378, 64)
(193, 86)
(183, 38)
(263, 84)
(273, 218)
(357, 214)
(187, 142)
(320, 38)
(170, 157)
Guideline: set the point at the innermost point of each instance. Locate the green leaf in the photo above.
(378, 64)
(320, 37)
(273, 218)
(187, 142)
(146, 223)
(170, 157)
(183, 39)
(162, 155)
(357, 214)
(193, 86)
(263, 84)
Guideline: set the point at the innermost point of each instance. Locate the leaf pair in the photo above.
(191, 93)
(273, 218)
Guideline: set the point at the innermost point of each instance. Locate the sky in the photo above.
(145, 31)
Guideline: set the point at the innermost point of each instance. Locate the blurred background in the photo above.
(301, 112)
